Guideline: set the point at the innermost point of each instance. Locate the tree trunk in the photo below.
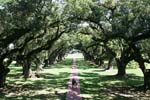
(109, 64)
(39, 67)
(46, 62)
(3, 73)
(61, 56)
(147, 79)
(2, 76)
(146, 72)
(26, 68)
(38, 64)
(126, 57)
(51, 61)
(121, 68)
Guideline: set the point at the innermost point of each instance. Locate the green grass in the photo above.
(95, 83)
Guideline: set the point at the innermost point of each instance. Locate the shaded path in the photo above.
(74, 92)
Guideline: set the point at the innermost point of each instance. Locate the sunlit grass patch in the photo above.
(87, 96)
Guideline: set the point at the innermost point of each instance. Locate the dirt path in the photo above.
(74, 92)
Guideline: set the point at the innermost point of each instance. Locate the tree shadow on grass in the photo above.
(34, 97)
(42, 88)
(100, 70)
(33, 89)
(98, 87)
(122, 98)
(107, 87)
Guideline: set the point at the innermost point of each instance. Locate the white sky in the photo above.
(1, 7)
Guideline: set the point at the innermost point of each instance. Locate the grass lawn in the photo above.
(95, 84)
